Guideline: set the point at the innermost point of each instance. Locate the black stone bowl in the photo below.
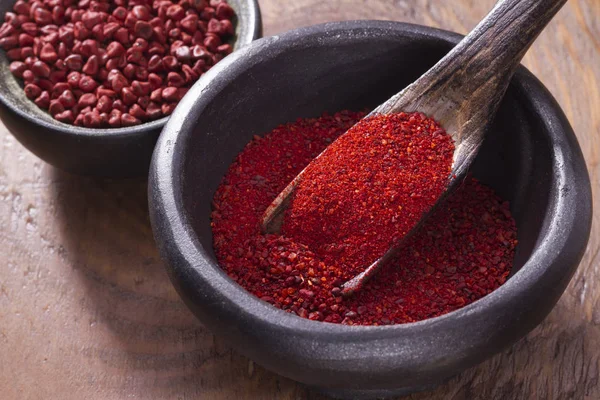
(531, 158)
(121, 152)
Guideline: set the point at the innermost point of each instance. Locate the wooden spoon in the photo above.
(462, 92)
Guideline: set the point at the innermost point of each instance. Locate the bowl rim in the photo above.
(251, 30)
(186, 259)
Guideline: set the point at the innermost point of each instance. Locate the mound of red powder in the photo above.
(463, 252)
(370, 188)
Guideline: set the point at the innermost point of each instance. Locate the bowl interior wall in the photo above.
(323, 76)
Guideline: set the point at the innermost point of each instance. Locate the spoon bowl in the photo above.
(530, 157)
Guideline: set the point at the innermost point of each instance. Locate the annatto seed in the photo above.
(55, 43)
(40, 69)
(67, 99)
(43, 100)
(17, 68)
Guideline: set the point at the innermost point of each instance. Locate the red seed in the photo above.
(91, 66)
(87, 84)
(130, 21)
(190, 75)
(45, 84)
(140, 88)
(114, 49)
(62, 51)
(155, 63)
(98, 33)
(183, 53)
(42, 16)
(122, 35)
(141, 12)
(29, 77)
(91, 19)
(25, 39)
(156, 95)
(104, 104)
(143, 29)
(87, 100)
(21, 7)
(170, 94)
(133, 55)
(26, 52)
(200, 52)
(128, 96)
(89, 47)
(59, 88)
(207, 14)
(17, 68)
(114, 119)
(117, 81)
(43, 100)
(120, 13)
(74, 62)
(65, 116)
(154, 80)
(175, 12)
(224, 11)
(174, 33)
(214, 26)
(92, 119)
(14, 54)
(48, 53)
(212, 42)
(55, 107)
(129, 120)
(190, 23)
(29, 61)
(109, 29)
(66, 35)
(167, 108)
(58, 14)
(153, 110)
(170, 62)
(9, 42)
(140, 44)
(174, 79)
(143, 101)
(102, 91)
(199, 5)
(67, 99)
(137, 112)
(40, 69)
(73, 79)
(129, 71)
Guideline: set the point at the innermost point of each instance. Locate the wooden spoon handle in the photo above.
(486, 58)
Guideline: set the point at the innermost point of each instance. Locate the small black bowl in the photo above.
(121, 152)
(531, 158)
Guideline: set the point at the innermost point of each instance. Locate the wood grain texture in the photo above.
(87, 311)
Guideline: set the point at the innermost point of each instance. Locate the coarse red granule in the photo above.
(463, 251)
(370, 188)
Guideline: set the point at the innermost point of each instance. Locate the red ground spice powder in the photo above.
(463, 252)
(370, 188)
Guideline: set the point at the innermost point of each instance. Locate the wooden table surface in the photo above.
(87, 311)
